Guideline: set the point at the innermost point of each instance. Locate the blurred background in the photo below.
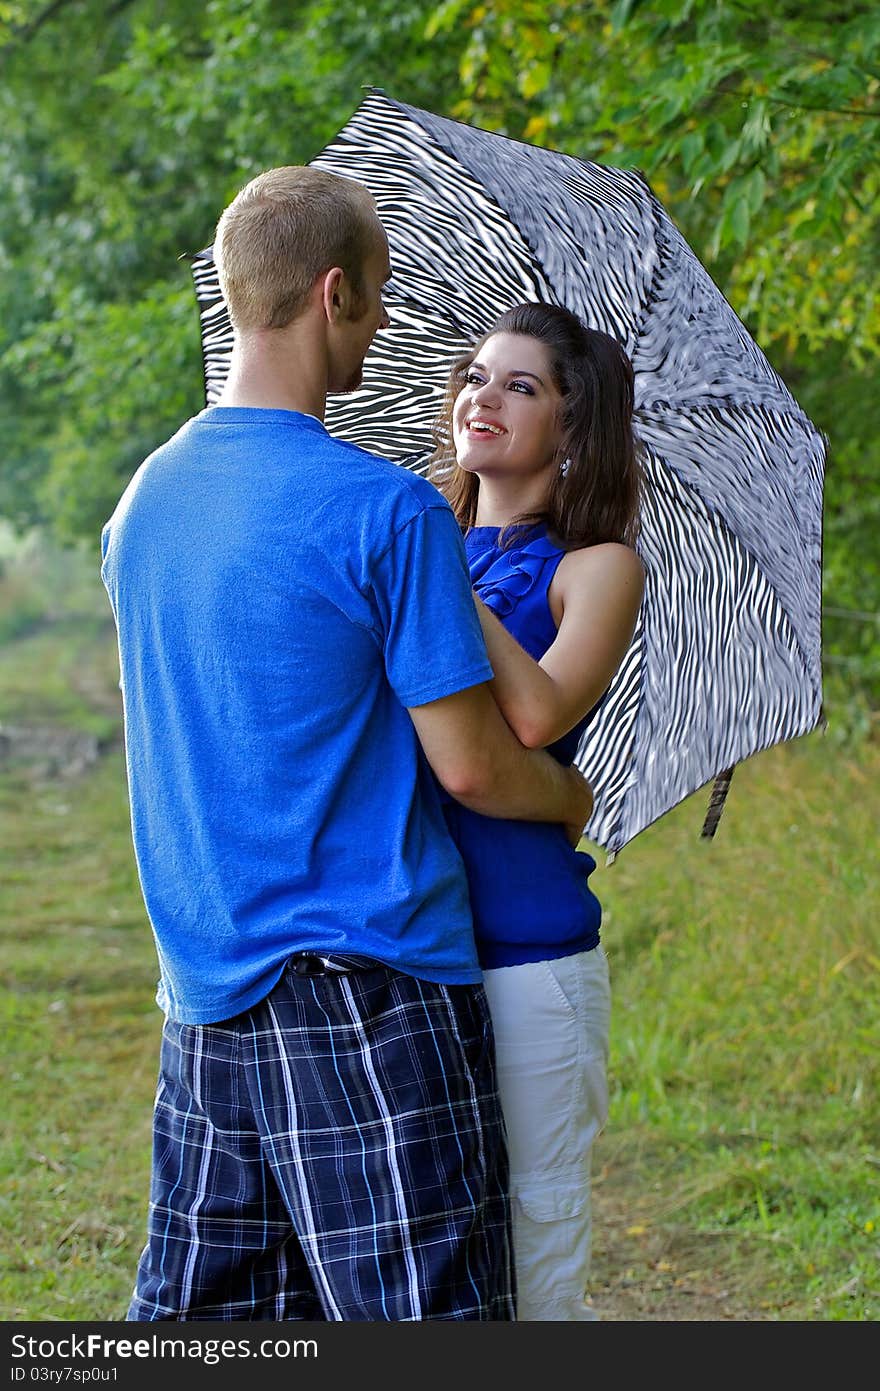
(739, 1176)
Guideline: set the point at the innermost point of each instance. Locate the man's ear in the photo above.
(335, 292)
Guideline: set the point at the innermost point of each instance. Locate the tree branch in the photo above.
(23, 33)
(802, 105)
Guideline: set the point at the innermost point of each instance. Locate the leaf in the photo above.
(730, 154)
(536, 79)
(621, 12)
(754, 190)
(739, 221)
(690, 149)
(536, 127)
(444, 17)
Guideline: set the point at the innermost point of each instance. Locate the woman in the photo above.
(537, 456)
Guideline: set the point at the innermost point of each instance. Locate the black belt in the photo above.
(309, 963)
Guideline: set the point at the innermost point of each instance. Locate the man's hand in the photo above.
(581, 803)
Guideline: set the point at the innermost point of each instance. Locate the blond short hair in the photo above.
(280, 232)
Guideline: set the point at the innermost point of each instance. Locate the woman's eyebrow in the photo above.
(514, 372)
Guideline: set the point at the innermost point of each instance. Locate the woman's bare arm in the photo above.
(597, 592)
(482, 764)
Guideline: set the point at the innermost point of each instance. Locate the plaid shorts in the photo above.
(335, 1153)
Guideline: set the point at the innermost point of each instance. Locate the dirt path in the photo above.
(45, 752)
(650, 1268)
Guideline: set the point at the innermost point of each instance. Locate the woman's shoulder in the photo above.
(609, 574)
(607, 560)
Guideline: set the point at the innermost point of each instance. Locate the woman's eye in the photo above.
(473, 378)
(522, 386)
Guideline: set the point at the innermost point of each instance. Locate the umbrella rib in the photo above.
(788, 410)
(705, 506)
(653, 294)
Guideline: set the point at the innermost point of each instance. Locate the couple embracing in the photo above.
(352, 699)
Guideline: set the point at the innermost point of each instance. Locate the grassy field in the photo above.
(747, 1016)
(739, 1176)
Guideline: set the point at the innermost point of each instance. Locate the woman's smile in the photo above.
(477, 425)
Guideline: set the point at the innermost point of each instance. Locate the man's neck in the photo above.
(275, 371)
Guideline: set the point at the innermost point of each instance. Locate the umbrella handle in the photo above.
(716, 803)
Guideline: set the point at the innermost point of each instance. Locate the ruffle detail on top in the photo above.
(503, 578)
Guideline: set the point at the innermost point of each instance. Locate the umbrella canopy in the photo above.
(726, 658)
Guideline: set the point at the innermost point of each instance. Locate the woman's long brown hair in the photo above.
(598, 497)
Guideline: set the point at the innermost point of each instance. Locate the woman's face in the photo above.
(505, 418)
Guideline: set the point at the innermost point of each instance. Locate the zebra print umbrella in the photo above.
(726, 659)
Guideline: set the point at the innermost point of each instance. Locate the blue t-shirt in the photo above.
(281, 597)
(528, 887)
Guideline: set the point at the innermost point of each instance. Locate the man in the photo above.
(299, 650)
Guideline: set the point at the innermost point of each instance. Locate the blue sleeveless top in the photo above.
(528, 887)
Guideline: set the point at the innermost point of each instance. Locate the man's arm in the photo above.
(477, 758)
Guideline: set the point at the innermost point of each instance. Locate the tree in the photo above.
(756, 125)
(116, 167)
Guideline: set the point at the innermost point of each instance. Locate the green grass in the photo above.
(58, 661)
(80, 1049)
(745, 1123)
(746, 1018)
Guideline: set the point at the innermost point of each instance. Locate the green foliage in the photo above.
(757, 126)
(118, 165)
(847, 406)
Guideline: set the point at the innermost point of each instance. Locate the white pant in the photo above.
(551, 1021)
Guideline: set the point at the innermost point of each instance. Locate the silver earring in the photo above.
(565, 466)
